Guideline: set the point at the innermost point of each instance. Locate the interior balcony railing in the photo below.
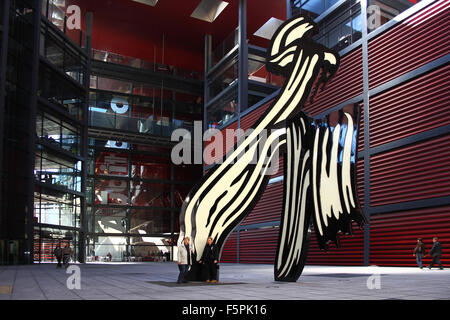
(148, 126)
(137, 63)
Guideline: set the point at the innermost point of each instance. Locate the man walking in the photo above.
(67, 254)
(58, 252)
(436, 252)
(419, 252)
(185, 251)
(210, 259)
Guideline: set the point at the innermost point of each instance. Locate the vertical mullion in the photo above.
(366, 131)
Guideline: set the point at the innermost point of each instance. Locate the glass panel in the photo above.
(149, 221)
(223, 78)
(381, 11)
(110, 220)
(223, 110)
(57, 172)
(225, 47)
(311, 8)
(150, 167)
(110, 249)
(47, 239)
(341, 28)
(111, 164)
(144, 249)
(111, 192)
(150, 194)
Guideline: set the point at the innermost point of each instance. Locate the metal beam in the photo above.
(410, 205)
(85, 140)
(418, 137)
(243, 60)
(365, 66)
(31, 146)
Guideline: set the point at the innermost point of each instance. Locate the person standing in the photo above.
(67, 254)
(210, 259)
(419, 252)
(58, 252)
(185, 251)
(436, 252)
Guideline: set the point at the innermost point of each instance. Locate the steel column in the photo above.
(3, 61)
(208, 59)
(85, 141)
(365, 62)
(243, 61)
(29, 208)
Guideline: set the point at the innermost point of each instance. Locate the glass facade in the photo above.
(140, 108)
(342, 28)
(311, 8)
(136, 196)
(222, 81)
(60, 159)
(380, 12)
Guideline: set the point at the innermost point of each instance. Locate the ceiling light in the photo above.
(269, 28)
(209, 10)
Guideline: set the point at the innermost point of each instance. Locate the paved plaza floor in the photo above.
(156, 280)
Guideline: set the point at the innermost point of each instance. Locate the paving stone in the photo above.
(140, 281)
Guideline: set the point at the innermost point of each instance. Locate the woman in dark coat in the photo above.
(210, 258)
(419, 252)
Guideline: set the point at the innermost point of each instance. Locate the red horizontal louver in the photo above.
(269, 207)
(393, 236)
(418, 40)
(279, 168)
(230, 249)
(346, 84)
(249, 119)
(258, 245)
(360, 181)
(413, 107)
(350, 252)
(361, 129)
(419, 171)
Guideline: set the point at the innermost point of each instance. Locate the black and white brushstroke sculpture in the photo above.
(319, 181)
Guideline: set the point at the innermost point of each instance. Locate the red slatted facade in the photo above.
(269, 207)
(346, 84)
(393, 236)
(360, 181)
(229, 249)
(410, 108)
(415, 172)
(249, 119)
(423, 37)
(258, 245)
(361, 129)
(351, 251)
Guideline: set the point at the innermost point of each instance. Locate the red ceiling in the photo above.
(135, 29)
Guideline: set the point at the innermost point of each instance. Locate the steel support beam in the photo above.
(85, 140)
(126, 73)
(3, 61)
(243, 60)
(365, 63)
(31, 146)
